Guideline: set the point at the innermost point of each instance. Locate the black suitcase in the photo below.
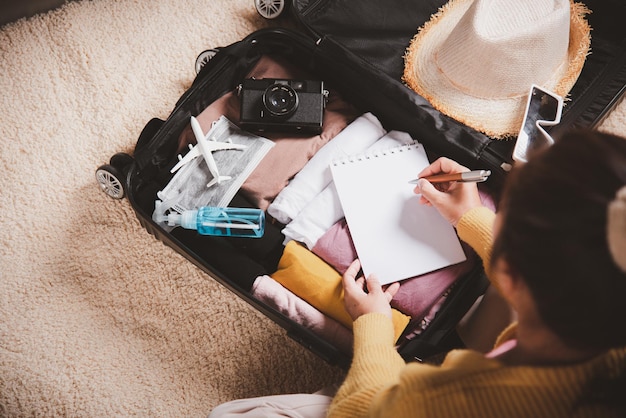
(347, 45)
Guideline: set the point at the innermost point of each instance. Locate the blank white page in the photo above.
(395, 237)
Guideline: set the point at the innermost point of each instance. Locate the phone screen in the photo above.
(543, 109)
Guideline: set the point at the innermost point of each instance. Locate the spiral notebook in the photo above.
(395, 237)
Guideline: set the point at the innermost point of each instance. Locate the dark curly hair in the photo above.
(553, 235)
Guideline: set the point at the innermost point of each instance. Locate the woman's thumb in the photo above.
(427, 190)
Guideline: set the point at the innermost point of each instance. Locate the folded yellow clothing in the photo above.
(312, 279)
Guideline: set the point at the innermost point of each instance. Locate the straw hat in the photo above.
(475, 60)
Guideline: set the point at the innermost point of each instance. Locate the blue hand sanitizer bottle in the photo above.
(226, 222)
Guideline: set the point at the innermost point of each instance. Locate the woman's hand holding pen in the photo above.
(451, 199)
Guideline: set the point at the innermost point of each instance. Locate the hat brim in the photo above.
(497, 118)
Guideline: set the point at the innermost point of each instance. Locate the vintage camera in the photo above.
(269, 104)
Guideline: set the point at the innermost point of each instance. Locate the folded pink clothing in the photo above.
(416, 295)
(273, 294)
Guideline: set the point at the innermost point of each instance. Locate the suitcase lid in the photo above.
(376, 34)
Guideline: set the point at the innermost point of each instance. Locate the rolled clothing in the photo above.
(273, 294)
(325, 209)
(316, 175)
(312, 279)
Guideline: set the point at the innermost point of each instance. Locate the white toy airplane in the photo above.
(206, 147)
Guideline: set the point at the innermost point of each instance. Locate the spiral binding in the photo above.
(375, 154)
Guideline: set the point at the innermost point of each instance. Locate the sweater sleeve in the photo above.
(476, 228)
(375, 364)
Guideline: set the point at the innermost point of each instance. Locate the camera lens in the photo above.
(280, 100)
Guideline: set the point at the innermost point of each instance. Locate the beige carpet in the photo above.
(97, 318)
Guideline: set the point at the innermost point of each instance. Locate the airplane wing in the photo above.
(207, 147)
(193, 153)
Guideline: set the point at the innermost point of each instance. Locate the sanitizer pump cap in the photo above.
(187, 219)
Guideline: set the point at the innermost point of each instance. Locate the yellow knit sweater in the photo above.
(467, 384)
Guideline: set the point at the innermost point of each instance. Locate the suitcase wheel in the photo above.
(109, 179)
(204, 57)
(270, 9)
(110, 176)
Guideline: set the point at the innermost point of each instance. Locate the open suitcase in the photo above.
(359, 55)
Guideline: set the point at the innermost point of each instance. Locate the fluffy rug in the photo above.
(97, 318)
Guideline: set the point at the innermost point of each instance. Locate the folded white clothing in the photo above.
(315, 175)
(315, 219)
(325, 209)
